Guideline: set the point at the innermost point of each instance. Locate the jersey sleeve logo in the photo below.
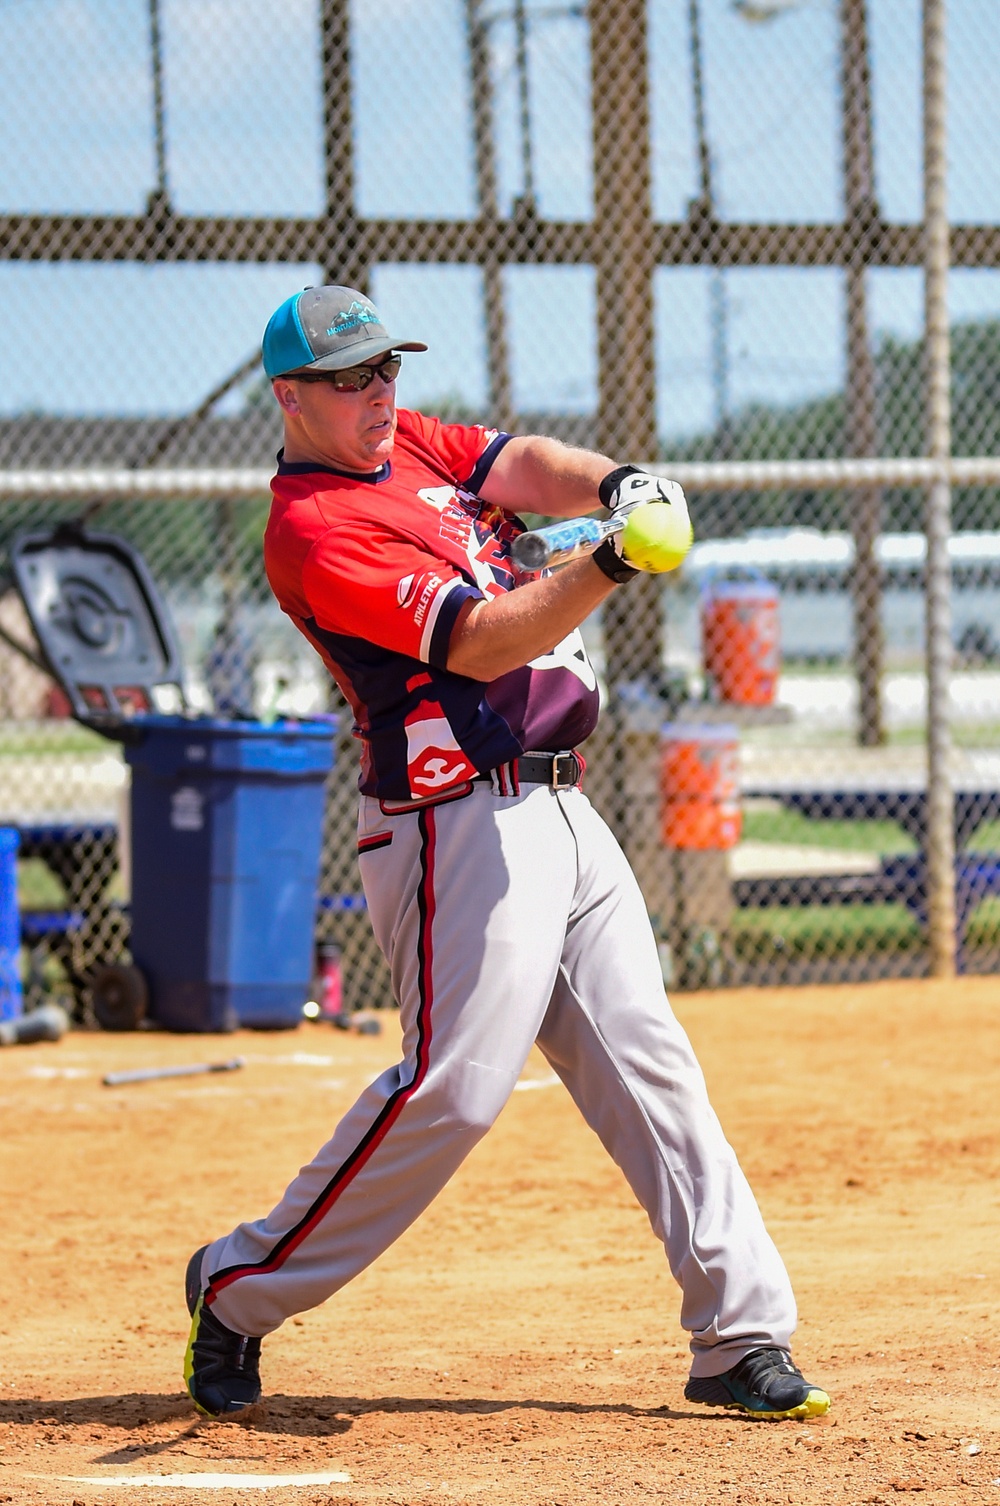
(434, 759)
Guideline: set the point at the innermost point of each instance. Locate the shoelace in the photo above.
(759, 1369)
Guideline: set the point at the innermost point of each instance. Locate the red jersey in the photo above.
(374, 570)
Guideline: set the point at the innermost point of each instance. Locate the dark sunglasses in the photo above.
(353, 378)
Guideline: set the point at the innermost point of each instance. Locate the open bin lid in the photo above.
(101, 624)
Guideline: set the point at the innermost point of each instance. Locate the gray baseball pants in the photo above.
(509, 920)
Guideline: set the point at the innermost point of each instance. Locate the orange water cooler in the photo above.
(741, 640)
(700, 807)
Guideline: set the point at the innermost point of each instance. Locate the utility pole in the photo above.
(861, 406)
(158, 202)
(703, 209)
(501, 407)
(524, 106)
(342, 259)
(625, 263)
(633, 617)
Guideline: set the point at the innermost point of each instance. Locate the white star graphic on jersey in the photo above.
(569, 654)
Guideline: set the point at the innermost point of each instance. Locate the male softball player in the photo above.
(506, 910)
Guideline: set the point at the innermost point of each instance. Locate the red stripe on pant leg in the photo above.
(381, 839)
(359, 1157)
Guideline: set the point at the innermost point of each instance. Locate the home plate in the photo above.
(215, 1481)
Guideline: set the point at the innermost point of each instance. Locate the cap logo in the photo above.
(351, 318)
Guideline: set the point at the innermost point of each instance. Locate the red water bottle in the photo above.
(331, 991)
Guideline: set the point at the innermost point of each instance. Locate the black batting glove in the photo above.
(627, 486)
(607, 557)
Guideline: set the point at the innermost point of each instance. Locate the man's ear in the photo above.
(285, 395)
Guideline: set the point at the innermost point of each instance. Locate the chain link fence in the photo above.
(691, 233)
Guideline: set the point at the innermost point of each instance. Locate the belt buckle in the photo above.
(559, 759)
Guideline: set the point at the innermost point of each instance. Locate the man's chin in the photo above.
(381, 451)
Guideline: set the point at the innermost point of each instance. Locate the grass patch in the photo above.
(963, 735)
(850, 931)
(765, 822)
(986, 839)
(37, 886)
(20, 738)
(975, 734)
(811, 931)
(983, 929)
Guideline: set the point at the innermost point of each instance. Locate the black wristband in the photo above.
(607, 558)
(612, 481)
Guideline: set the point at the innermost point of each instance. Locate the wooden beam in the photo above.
(526, 240)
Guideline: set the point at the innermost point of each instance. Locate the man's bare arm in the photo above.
(492, 637)
(533, 473)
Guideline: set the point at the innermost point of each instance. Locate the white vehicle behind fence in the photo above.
(812, 572)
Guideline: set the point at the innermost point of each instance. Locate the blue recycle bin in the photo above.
(227, 828)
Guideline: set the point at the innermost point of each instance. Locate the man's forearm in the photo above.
(533, 473)
(496, 636)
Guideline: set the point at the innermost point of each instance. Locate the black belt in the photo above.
(560, 771)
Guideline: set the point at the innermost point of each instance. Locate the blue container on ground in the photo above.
(227, 829)
(11, 991)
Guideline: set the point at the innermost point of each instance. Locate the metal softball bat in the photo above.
(559, 543)
(155, 1074)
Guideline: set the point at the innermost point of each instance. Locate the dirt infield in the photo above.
(520, 1344)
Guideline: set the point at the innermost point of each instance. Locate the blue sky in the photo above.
(243, 129)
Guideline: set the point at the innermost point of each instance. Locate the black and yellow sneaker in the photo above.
(765, 1384)
(220, 1366)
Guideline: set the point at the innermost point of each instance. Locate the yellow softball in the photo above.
(657, 535)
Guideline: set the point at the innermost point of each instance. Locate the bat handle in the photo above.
(559, 543)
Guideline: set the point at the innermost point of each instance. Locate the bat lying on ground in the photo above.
(48, 1023)
(153, 1074)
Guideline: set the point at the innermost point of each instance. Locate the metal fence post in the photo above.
(940, 798)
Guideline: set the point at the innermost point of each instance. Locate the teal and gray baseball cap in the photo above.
(326, 329)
